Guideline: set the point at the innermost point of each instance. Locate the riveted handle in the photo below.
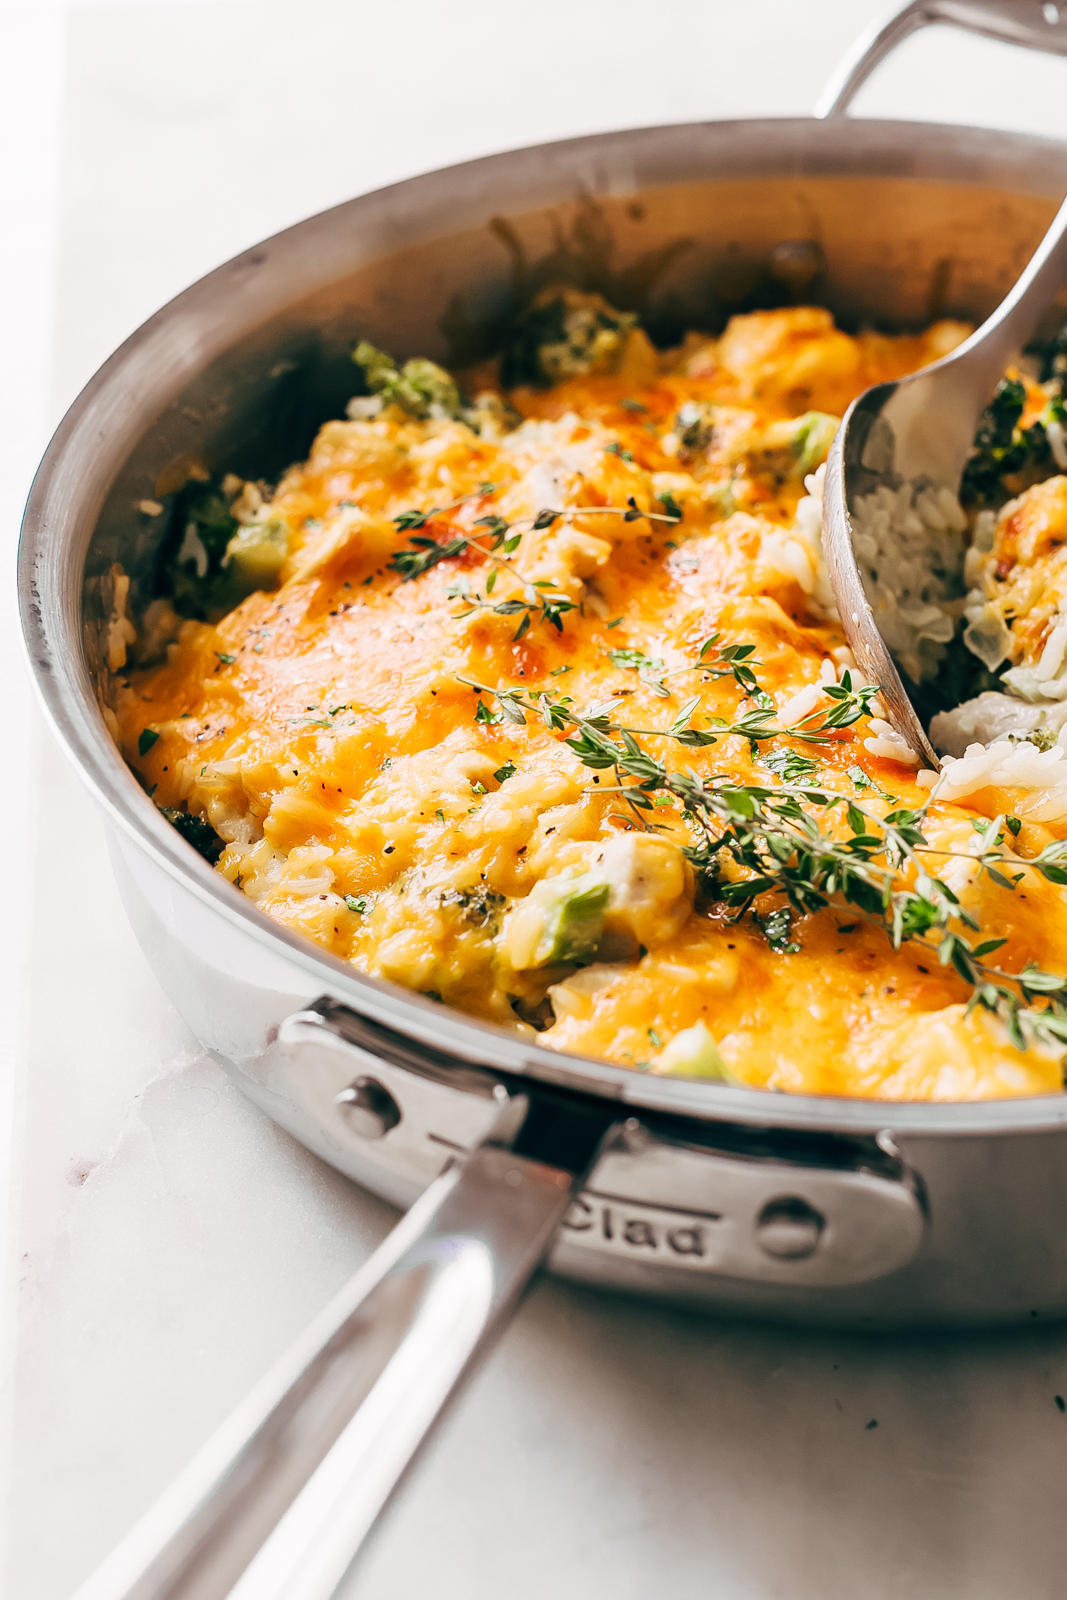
(278, 1503)
(1037, 24)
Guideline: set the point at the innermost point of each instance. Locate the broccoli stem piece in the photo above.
(560, 921)
(255, 556)
(693, 1053)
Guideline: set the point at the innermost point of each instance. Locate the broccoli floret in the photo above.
(419, 387)
(788, 450)
(811, 443)
(200, 532)
(1001, 447)
(1004, 449)
(564, 334)
(197, 832)
(214, 561)
(997, 424)
(378, 368)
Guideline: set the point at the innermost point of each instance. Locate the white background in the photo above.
(164, 1241)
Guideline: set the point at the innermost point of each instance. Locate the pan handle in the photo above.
(279, 1501)
(1025, 22)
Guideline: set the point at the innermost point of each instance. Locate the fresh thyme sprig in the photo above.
(424, 552)
(729, 661)
(540, 600)
(774, 838)
(630, 512)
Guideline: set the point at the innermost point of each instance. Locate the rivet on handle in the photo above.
(368, 1108)
(789, 1228)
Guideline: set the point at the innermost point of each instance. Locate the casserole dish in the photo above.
(823, 1211)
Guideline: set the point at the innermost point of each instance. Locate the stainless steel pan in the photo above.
(816, 1210)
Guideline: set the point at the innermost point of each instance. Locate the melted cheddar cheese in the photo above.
(372, 800)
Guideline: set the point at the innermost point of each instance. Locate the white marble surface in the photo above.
(167, 1241)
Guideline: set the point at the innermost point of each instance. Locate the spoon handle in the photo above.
(1024, 22)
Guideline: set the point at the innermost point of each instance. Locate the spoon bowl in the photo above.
(899, 448)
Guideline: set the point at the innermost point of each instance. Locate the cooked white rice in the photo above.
(1041, 774)
(909, 545)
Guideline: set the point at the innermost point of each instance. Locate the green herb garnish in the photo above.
(776, 838)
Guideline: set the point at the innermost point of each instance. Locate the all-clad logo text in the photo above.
(604, 1222)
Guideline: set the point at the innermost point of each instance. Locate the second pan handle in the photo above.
(1025, 22)
(278, 1503)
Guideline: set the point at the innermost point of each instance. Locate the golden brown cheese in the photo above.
(1025, 573)
(325, 732)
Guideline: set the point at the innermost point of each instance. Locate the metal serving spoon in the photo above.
(920, 429)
